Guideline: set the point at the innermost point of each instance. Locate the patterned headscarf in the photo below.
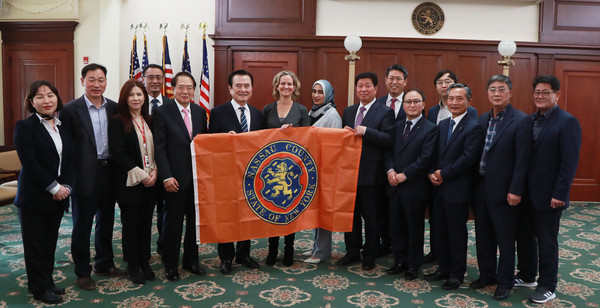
(317, 111)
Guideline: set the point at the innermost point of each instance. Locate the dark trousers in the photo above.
(159, 198)
(227, 251)
(40, 233)
(101, 205)
(274, 241)
(451, 236)
(407, 230)
(432, 244)
(365, 207)
(495, 228)
(177, 205)
(137, 230)
(383, 222)
(537, 241)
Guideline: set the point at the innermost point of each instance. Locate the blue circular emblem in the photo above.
(280, 181)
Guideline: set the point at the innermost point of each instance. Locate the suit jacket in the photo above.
(125, 151)
(554, 159)
(298, 116)
(432, 113)
(401, 116)
(414, 158)
(507, 160)
(377, 139)
(39, 161)
(458, 158)
(76, 115)
(172, 142)
(223, 118)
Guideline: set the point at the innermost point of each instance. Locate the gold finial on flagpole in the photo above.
(186, 27)
(134, 27)
(163, 26)
(203, 26)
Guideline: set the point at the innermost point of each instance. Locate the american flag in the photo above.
(166, 64)
(185, 64)
(145, 61)
(205, 82)
(134, 64)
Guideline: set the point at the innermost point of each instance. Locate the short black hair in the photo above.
(185, 74)
(396, 67)
(369, 75)
(152, 66)
(549, 79)
(92, 67)
(441, 73)
(461, 86)
(418, 91)
(500, 78)
(241, 73)
(33, 90)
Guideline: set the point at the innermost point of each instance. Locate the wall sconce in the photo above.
(352, 43)
(506, 49)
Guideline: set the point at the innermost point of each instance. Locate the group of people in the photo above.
(514, 170)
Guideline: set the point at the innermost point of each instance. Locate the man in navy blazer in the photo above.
(154, 80)
(460, 143)
(407, 164)
(442, 80)
(554, 158)
(236, 116)
(375, 123)
(502, 174)
(175, 125)
(87, 118)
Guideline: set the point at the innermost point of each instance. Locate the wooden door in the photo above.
(32, 51)
(580, 97)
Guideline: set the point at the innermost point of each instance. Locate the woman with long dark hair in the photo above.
(131, 146)
(44, 187)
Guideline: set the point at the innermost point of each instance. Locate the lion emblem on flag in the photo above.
(281, 182)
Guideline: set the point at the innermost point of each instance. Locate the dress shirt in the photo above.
(443, 113)
(55, 135)
(367, 107)
(100, 125)
(539, 120)
(183, 114)
(414, 121)
(160, 102)
(238, 113)
(489, 137)
(398, 104)
(457, 120)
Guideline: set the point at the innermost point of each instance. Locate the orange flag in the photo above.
(272, 182)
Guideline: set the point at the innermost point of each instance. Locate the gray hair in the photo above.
(500, 78)
(461, 86)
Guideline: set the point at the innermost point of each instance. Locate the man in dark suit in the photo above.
(555, 153)
(175, 125)
(87, 118)
(396, 77)
(375, 123)
(154, 80)
(408, 163)
(236, 116)
(502, 174)
(460, 143)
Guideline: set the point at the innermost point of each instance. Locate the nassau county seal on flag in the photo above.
(270, 183)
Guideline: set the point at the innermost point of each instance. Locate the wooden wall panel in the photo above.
(579, 97)
(474, 69)
(521, 76)
(332, 67)
(420, 65)
(570, 22)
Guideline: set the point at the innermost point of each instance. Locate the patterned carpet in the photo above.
(301, 285)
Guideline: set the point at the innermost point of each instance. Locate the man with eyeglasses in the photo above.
(154, 77)
(459, 151)
(554, 157)
(236, 116)
(502, 174)
(396, 77)
(442, 80)
(407, 164)
(174, 126)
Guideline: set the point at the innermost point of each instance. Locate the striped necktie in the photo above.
(243, 120)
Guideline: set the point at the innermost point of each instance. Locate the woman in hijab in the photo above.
(322, 114)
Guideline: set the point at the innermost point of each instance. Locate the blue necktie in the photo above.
(154, 105)
(450, 130)
(243, 120)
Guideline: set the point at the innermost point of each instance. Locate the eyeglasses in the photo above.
(544, 93)
(444, 82)
(412, 102)
(499, 89)
(152, 77)
(397, 78)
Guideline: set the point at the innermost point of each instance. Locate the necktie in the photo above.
(360, 116)
(393, 104)
(154, 105)
(450, 130)
(243, 120)
(406, 130)
(186, 120)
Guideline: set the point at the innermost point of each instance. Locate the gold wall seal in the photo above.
(428, 18)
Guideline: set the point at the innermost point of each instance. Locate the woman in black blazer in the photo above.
(284, 113)
(131, 146)
(45, 151)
